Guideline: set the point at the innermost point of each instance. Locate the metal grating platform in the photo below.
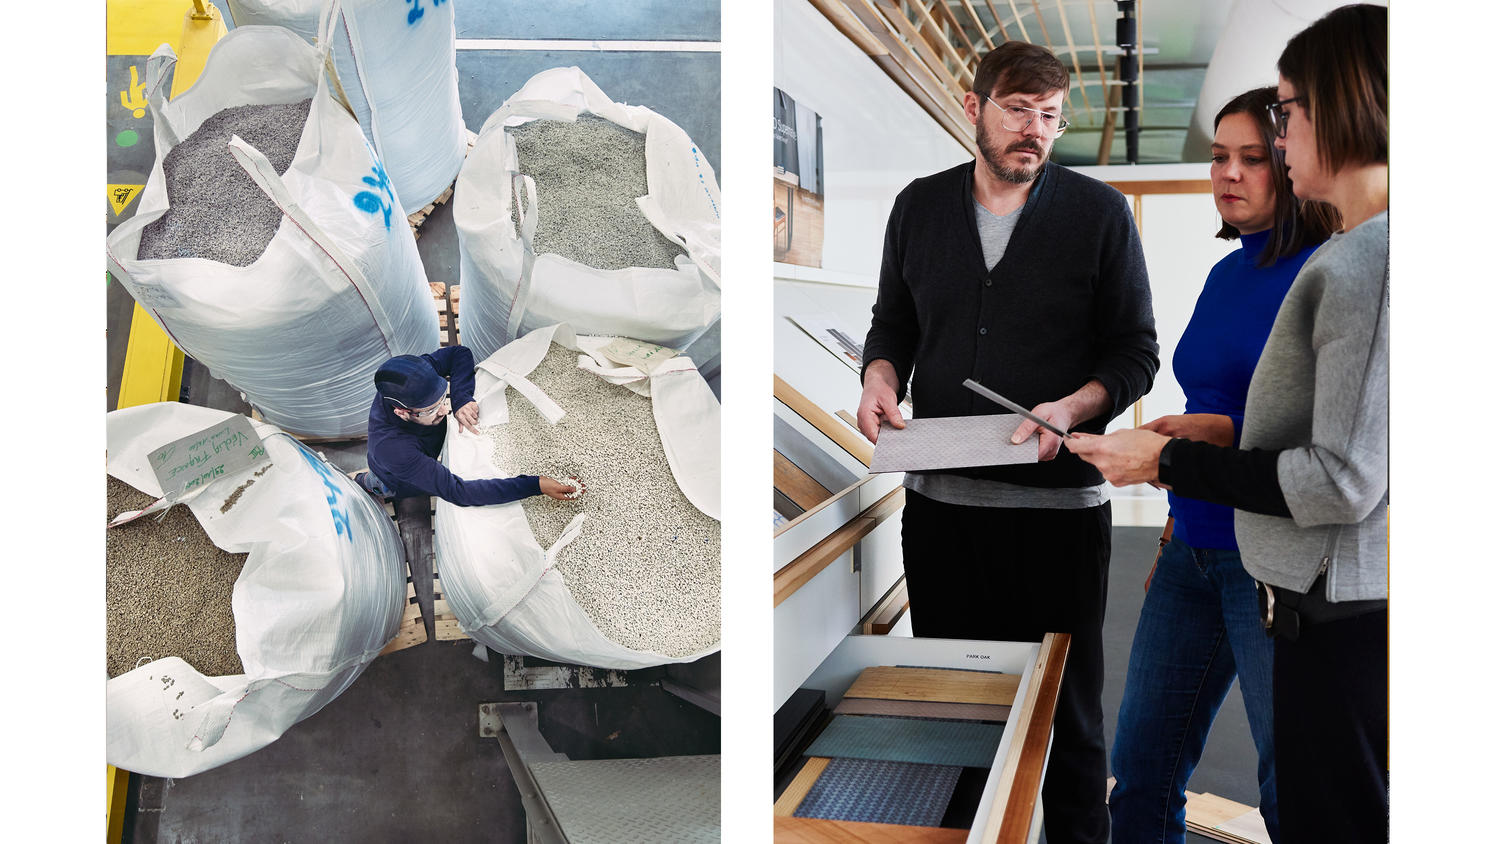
(613, 801)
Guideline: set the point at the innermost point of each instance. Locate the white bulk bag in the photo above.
(320, 594)
(397, 65)
(508, 290)
(497, 579)
(340, 288)
(300, 16)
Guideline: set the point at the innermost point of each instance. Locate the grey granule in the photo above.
(646, 566)
(216, 211)
(167, 589)
(234, 497)
(588, 175)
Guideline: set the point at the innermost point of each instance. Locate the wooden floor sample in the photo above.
(921, 709)
(792, 797)
(935, 684)
(817, 831)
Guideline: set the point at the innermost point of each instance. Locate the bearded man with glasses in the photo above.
(414, 395)
(1030, 279)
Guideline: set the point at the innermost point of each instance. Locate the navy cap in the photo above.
(410, 382)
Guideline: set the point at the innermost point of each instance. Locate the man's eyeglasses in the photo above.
(1279, 114)
(1017, 118)
(429, 412)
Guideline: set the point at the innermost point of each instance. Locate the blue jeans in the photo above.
(1200, 623)
(372, 484)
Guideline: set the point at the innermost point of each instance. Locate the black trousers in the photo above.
(1330, 696)
(1014, 575)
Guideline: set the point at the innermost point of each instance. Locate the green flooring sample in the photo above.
(963, 743)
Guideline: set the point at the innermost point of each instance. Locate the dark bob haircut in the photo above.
(1296, 224)
(1019, 67)
(1339, 63)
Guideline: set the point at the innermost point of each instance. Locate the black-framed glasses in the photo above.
(1279, 114)
(1017, 118)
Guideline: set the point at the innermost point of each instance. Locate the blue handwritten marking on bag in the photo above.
(416, 10)
(372, 202)
(339, 512)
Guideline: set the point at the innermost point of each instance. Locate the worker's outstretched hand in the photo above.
(468, 417)
(563, 490)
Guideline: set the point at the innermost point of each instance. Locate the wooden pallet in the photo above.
(445, 300)
(412, 631)
(444, 623)
(416, 218)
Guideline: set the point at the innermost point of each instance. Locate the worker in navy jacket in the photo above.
(1030, 279)
(413, 397)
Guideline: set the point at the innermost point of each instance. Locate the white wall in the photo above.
(876, 139)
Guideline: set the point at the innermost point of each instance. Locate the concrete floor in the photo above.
(398, 758)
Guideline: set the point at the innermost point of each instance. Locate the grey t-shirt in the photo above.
(994, 236)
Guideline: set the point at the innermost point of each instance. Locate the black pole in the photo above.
(1130, 95)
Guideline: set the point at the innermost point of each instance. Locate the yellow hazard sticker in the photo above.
(120, 196)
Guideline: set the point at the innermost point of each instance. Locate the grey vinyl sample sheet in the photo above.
(873, 791)
(951, 442)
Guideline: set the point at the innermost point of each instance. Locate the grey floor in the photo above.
(1228, 764)
(398, 758)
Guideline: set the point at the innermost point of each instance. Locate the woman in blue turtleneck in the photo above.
(1200, 624)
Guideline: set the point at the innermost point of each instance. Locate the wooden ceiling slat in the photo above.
(1073, 51)
(958, 27)
(892, 12)
(994, 13)
(1020, 23)
(869, 28)
(965, 74)
(845, 22)
(974, 16)
(1046, 39)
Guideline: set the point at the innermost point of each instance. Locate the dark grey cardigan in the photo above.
(1067, 303)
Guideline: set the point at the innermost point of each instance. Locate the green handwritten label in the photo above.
(198, 460)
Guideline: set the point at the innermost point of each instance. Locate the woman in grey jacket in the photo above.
(1310, 479)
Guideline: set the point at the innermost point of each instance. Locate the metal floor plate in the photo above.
(612, 801)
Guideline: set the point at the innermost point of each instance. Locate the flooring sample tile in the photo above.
(961, 743)
(877, 791)
(947, 685)
(922, 709)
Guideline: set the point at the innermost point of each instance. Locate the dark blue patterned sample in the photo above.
(874, 791)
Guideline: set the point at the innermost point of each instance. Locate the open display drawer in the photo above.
(939, 677)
